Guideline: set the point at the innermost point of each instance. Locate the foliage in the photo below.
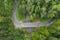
(48, 8)
(42, 10)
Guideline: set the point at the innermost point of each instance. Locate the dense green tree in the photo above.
(38, 9)
(18, 34)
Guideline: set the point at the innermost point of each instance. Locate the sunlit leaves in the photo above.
(47, 1)
(42, 37)
(27, 36)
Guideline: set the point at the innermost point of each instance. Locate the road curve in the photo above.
(20, 24)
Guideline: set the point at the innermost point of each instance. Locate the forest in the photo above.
(38, 10)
